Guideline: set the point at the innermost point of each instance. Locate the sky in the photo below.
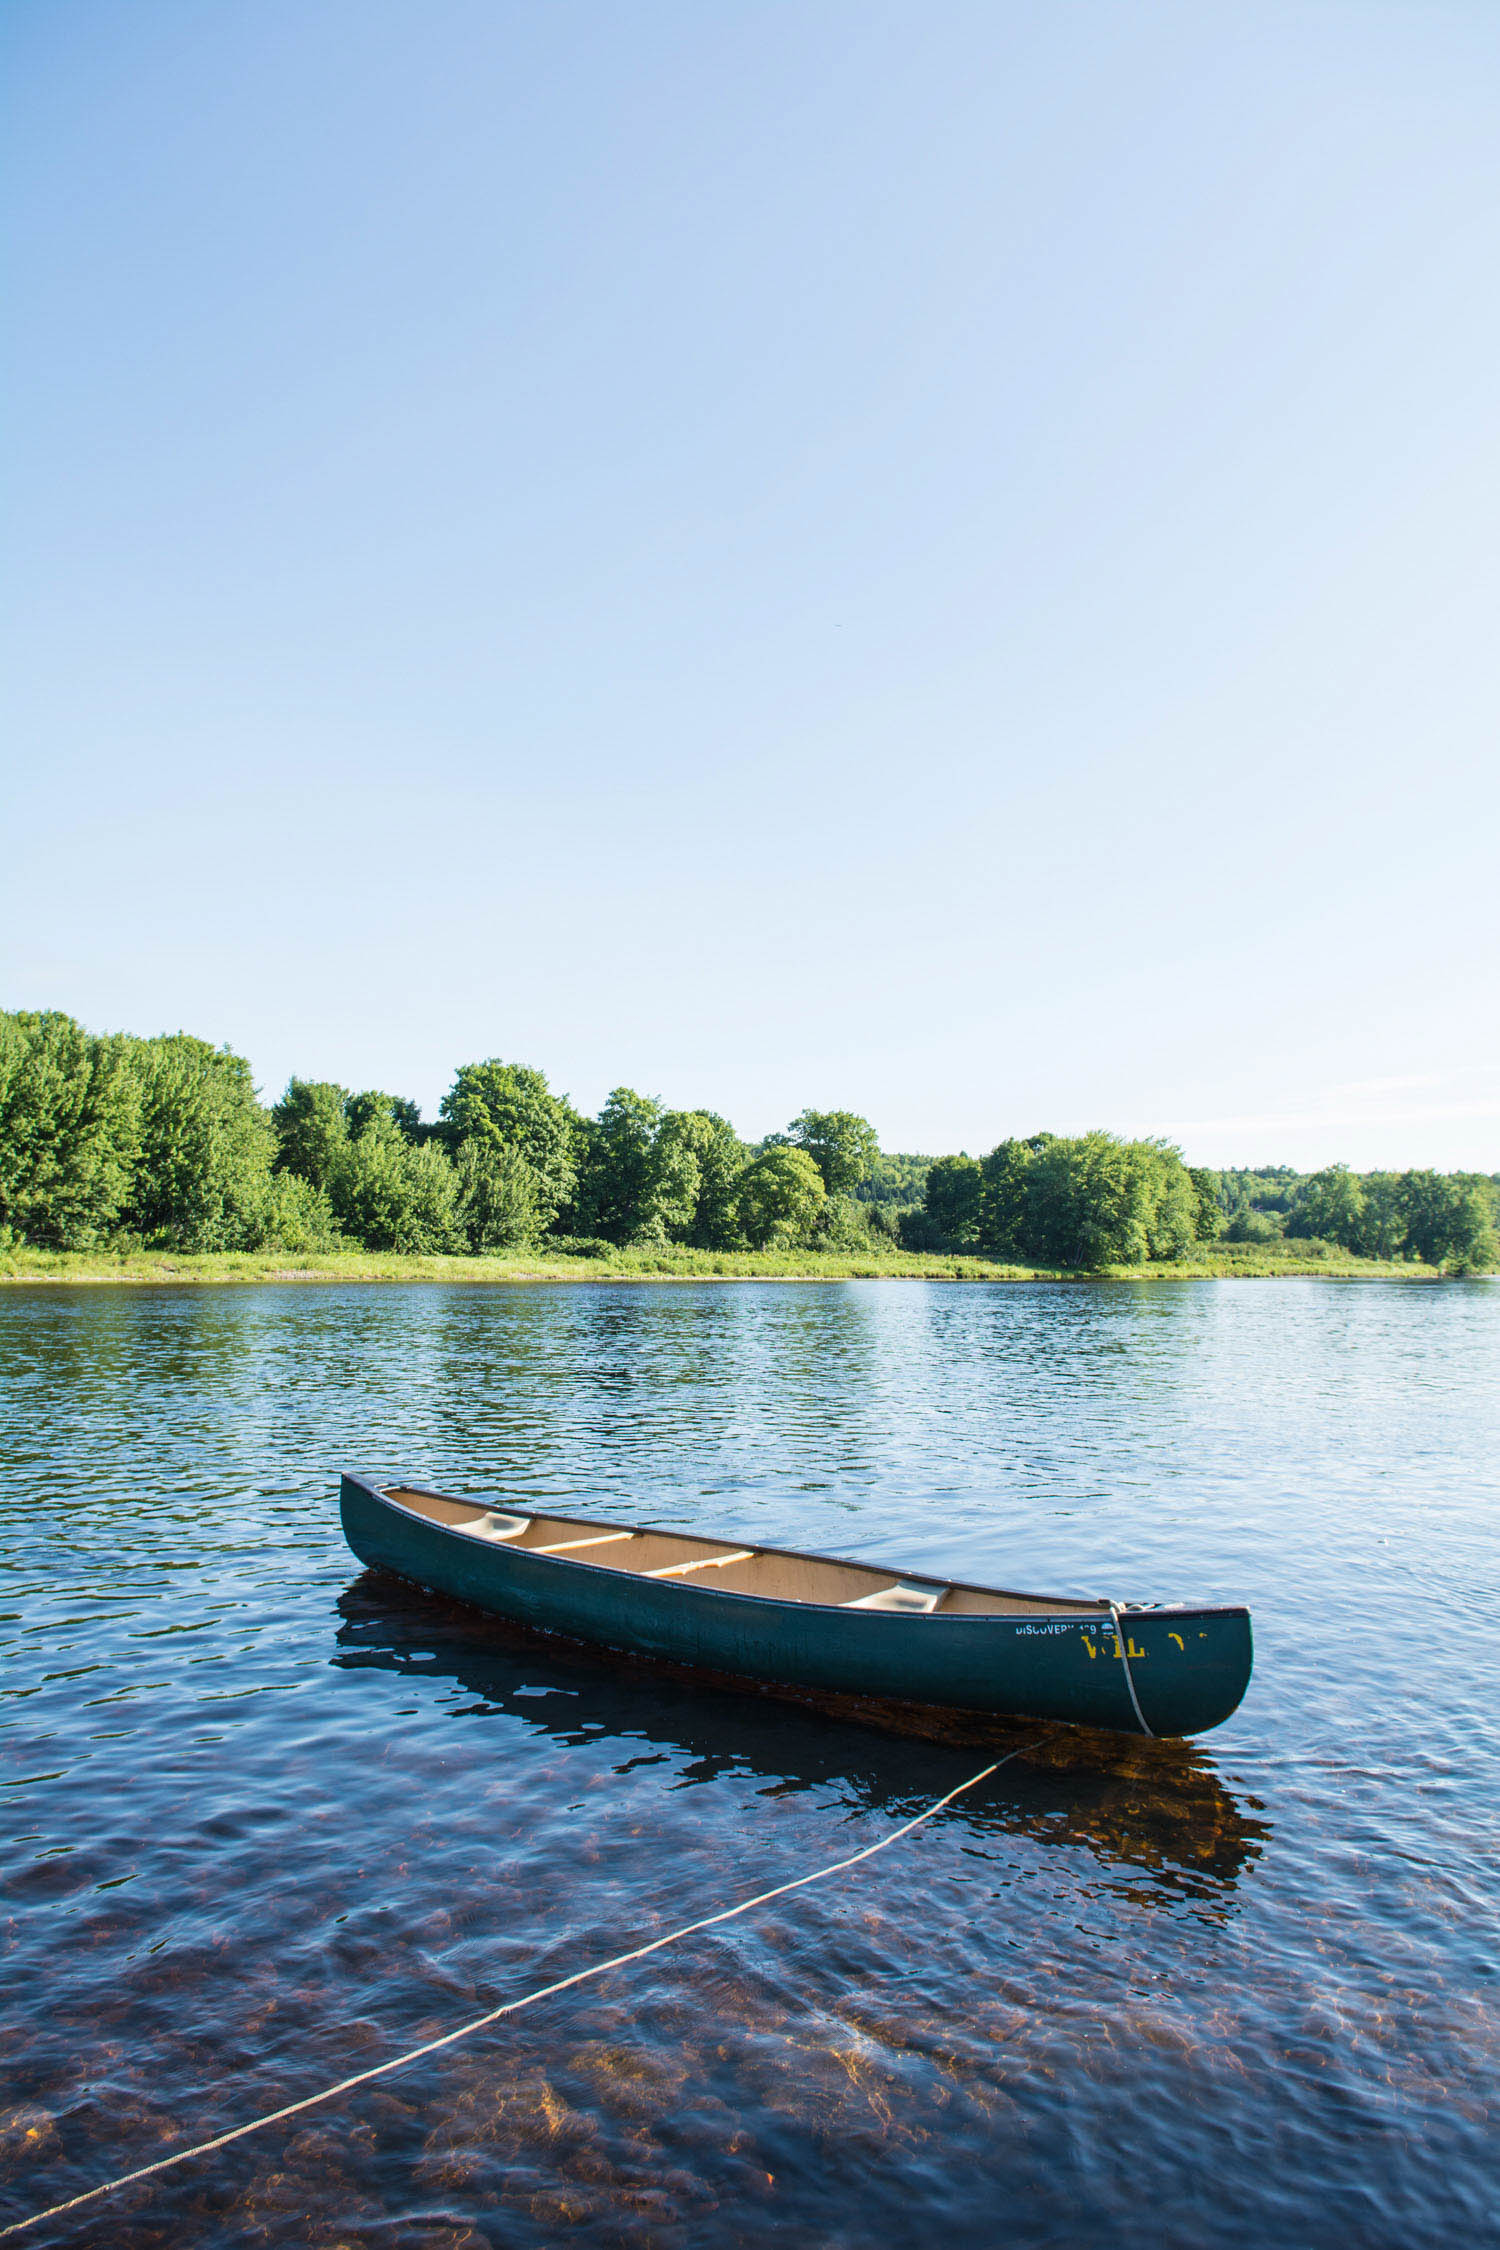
(938, 560)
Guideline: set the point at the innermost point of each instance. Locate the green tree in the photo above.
(844, 1147)
(641, 1179)
(361, 1109)
(498, 1206)
(69, 1128)
(843, 1225)
(897, 1180)
(205, 1146)
(311, 1123)
(1382, 1230)
(1008, 1223)
(1087, 1202)
(1330, 1207)
(780, 1196)
(1250, 1225)
(392, 1195)
(506, 1106)
(720, 1157)
(1208, 1219)
(954, 1202)
(293, 1215)
(1449, 1220)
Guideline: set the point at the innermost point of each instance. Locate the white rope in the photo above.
(1135, 1701)
(509, 2008)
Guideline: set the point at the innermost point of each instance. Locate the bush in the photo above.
(295, 1215)
(841, 1225)
(1252, 1226)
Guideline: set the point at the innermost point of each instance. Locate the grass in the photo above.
(1250, 1260)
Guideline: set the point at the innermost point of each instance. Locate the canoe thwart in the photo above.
(594, 1539)
(700, 1562)
(781, 1615)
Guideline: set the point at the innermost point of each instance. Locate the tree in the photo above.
(205, 1146)
(391, 1195)
(1208, 1218)
(506, 1106)
(641, 1179)
(497, 1197)
(720, 1157)
(1330, 1208)
(294, 1215)
(1449, 1220)
(896, 1180)
(1174, 1209)
(1007, 1222)
(1249, 1225)
(311, 1123)
(954, 1202)
(844, 1147)
(1382, 1229)
(841, 1224)
(1087, 1202)
(69, 1127)
(779, 1198)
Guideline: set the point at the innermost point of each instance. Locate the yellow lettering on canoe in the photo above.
(1181, 1643)
(1088, 1644)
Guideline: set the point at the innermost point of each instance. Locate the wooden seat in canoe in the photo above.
(812, 1621)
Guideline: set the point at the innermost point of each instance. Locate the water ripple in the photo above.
(272, 1818)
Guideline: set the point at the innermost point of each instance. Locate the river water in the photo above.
(272, 1819)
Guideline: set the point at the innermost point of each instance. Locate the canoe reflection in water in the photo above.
(1158, 1807)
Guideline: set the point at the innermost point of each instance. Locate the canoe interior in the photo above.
(673, 1557)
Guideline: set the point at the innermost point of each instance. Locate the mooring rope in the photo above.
(513, 2007)
(1135, 1701)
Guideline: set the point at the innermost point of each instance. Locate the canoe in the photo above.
(771, 1614)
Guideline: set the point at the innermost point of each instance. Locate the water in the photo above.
(271, 1820)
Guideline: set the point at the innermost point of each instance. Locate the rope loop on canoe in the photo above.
(513, 2007)
(1124, 1647)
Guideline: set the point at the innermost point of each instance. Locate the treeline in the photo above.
(1098, 1201)
(122, 1142)
(1439, 1218)
(162, 1143)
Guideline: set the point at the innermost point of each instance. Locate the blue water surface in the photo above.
(271, 1819)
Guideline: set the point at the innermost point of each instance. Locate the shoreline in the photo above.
(144, 1268)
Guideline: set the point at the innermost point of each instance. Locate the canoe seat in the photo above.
(903, 1595)
(495, 1526)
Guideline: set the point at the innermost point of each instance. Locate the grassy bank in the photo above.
(1262, 1261)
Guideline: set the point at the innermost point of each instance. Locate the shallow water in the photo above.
(271, 1819)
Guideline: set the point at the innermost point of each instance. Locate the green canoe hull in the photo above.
(1190, 1666)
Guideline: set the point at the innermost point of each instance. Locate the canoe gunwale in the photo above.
(1053, 1658)
(1067, 1605)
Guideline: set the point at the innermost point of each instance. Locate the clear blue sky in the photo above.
(933, 559)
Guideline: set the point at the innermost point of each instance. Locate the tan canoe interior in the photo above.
(675, 1557)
